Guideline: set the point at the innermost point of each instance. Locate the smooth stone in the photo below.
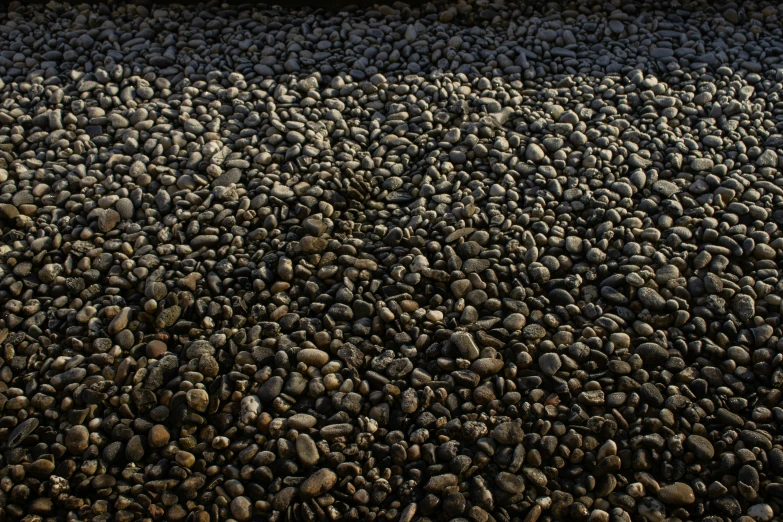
(761, 512)
(700, 446)
(77, 440)
(306, 450)
(312, 357)
(21, 432)
(317, 484)
(198, 400)
(678, 494)
(242, 508)
(466, 345)
(549, 363)
(301, 421)
(514, 322)
(271, 389)
(155, 349)
(508, 433)
(158, 436)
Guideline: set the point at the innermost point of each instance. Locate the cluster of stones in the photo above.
(482, 262)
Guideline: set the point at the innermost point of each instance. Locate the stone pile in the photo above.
(481, 261)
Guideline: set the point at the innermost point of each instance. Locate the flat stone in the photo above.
(318, 483)
(466, 345)
(677, 494)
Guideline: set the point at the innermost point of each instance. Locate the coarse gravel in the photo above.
(482, 262)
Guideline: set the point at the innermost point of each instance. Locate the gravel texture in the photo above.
(474, 262)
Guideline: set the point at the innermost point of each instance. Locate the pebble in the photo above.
(466, 345)
(477, 261)
(508, 433)
(701, 447)
(534, 152)
(761, 512)
(549, 363)
(271, 389)
(198, 400)
(77, 440)
(678, 494)
(158, 436)
(306, 450)
(651, 509)
(318, 483)
(312, 357)
(21, 432)
(155, 349)
(242, 508)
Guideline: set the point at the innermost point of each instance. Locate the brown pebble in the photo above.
(155, 349)
(158, 436)
(77, 440)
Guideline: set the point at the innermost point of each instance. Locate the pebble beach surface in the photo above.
(480, 262)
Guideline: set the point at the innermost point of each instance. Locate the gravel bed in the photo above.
(479, 262)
